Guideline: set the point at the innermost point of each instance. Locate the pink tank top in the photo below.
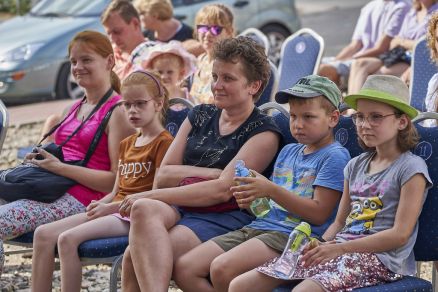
(77, 147)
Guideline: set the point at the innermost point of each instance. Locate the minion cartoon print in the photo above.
(362, 215)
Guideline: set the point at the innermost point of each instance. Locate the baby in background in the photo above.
(174, 64)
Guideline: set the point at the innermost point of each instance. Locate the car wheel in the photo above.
(66, 86)
(276, 35)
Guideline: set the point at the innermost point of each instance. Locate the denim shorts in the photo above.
(209, 225)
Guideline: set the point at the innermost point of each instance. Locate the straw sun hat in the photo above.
(387, 89)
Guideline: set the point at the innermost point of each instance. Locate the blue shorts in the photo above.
(209, 225)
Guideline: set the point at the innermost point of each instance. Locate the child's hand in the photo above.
(98, 209)
(321, 254)
(311, 245)
(126, 205)
(250, 188)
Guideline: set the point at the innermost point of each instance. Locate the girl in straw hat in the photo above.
(372, 238)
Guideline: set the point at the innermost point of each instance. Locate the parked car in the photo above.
(277, 19)
(33, 49)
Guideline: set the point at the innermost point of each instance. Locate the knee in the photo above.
(127, 265)
(239, 284)
(144, 210)
(330, 72)
(359, 63)
(67, 243)
(181, 271)
(221, 271)
(385, 71)
(44, 237)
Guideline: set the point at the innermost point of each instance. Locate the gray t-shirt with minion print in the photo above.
(374, 203)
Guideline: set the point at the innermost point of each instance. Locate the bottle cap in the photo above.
(305, 228)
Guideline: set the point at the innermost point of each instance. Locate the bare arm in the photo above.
(110, 196)
(315, 210)
(194, 47)
(100, 180)
(408, 211)
(381, 47)
(348, 52)
(216, 191)
(172, 171)
(343, 211)
(405, 43)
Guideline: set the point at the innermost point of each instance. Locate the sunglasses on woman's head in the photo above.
(214, 29)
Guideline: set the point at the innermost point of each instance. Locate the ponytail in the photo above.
(165, 107)
(115, 82)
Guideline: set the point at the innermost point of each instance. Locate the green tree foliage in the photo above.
(10, 6)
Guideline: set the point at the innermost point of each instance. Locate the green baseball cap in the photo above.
(386, 89)
(311, 86)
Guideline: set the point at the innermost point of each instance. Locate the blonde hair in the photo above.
(431, 36)
(161, 9)
(100, 44)
(176, 59)
(217, 14)
(416, 4)
(123, 7)
(154, 86)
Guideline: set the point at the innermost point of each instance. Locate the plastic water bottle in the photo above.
(298, 239)
(260, 206)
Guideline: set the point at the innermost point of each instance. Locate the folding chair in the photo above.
(281, 118)
(271, 88)
(4, 123)
(426, 245)
(300, 56)
(258, 36)
(110, 250)
(422, 69)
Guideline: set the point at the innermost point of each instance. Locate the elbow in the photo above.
(401, 238)
(160, 176)
(319, 217)
(318, 221)
(223, 193)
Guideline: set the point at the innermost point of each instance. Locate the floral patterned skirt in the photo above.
(344, 273)
(22, 216)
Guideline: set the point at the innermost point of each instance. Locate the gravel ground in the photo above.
(16, 276)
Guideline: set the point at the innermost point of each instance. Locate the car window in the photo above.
(177, 3)
(59, 8)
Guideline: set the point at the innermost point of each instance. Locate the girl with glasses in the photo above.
(213, 22)
(371, 241)
(145, 101)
